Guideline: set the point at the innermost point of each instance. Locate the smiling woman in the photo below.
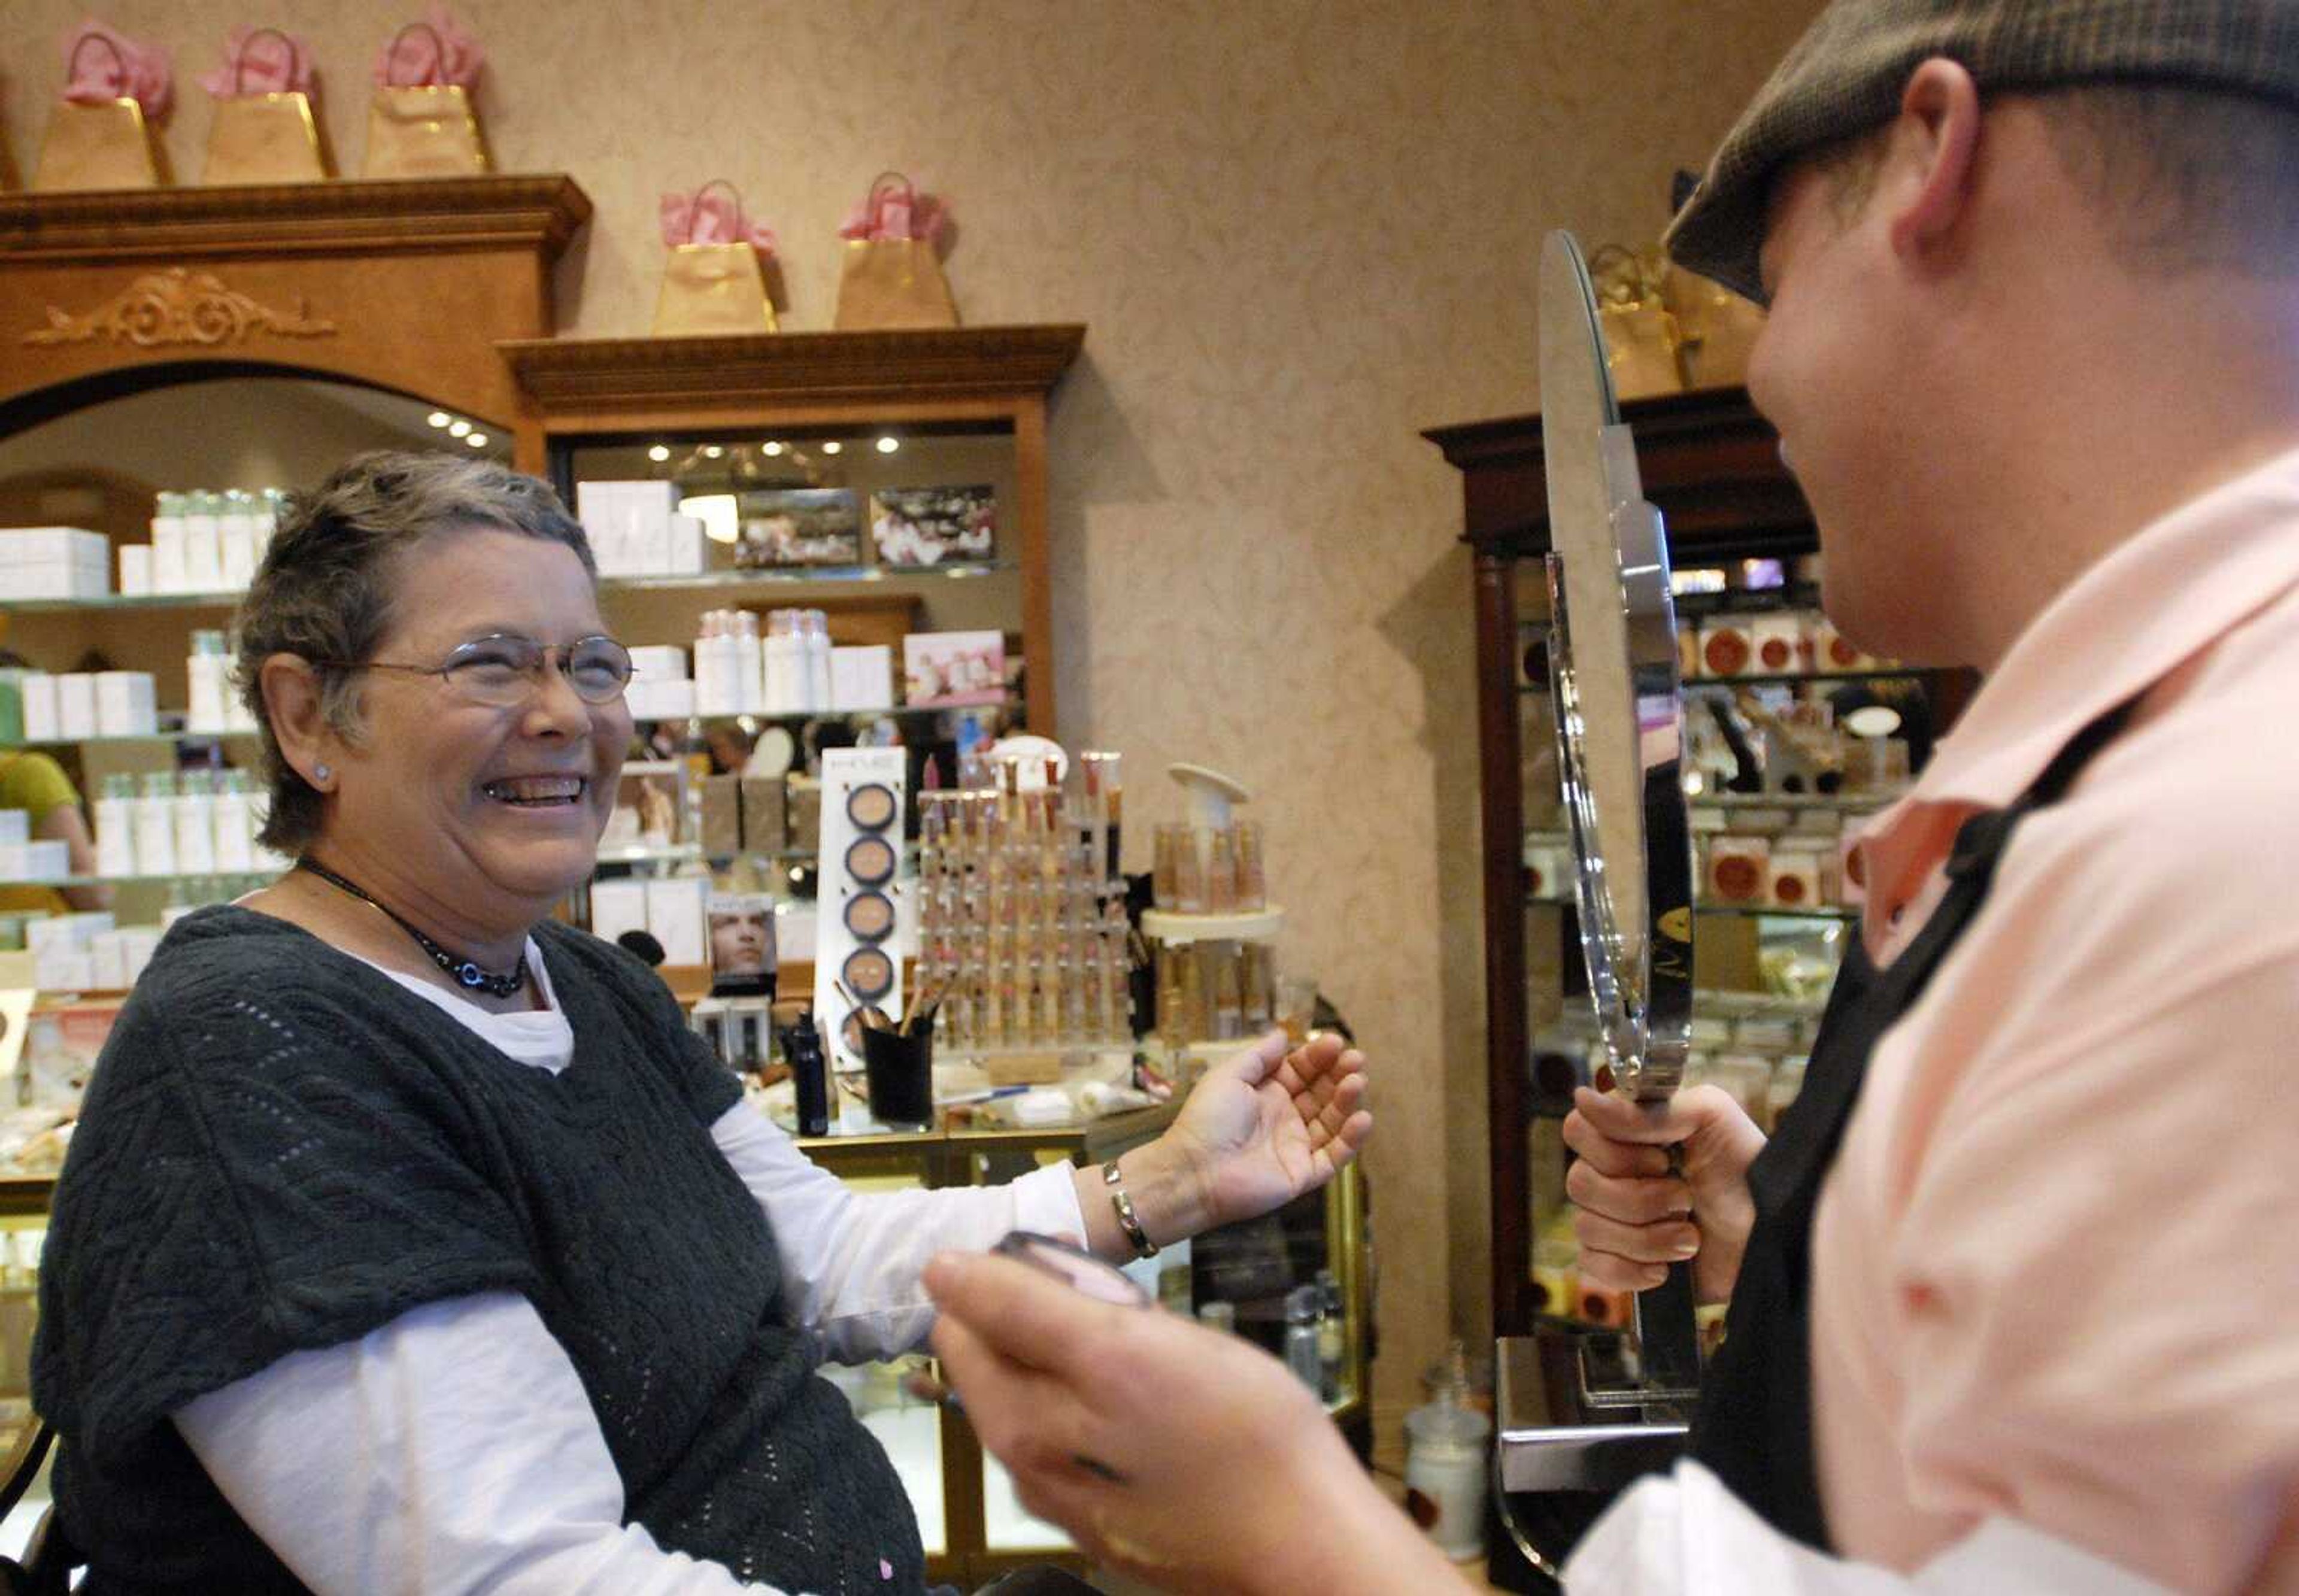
(476, 1263)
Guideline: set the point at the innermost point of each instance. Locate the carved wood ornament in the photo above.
(177, 306)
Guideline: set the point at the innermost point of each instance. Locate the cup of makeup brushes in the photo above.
(898, 1072)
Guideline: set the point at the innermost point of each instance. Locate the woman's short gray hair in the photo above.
(324, 590)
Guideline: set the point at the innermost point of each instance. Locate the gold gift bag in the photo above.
(422, 131)
(1718, 327)
(266, 138)
(713, 287)
(885, 283)
(98, 146)
(1640, 335)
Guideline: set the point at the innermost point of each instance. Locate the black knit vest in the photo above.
(283, 1149)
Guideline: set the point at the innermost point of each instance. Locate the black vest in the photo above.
(1755, 1425)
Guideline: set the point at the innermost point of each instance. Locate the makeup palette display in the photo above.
(858, 957)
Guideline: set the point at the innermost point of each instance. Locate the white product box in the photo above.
(143, 942)
(135, 570)
(57, 545)
(655, 662)
(1780, 642)
(674, 916)
(47, 862)
(1796, 880)
(15, 827)
(168, 554)
(617, 907)
(65, 972)
(109, 949)
(1739, 868)
(686, 547)
(53, 579)
(76, 705)
(628, 524)
(1726, 649)
(41, 720)
(12, 869)
(862, 678)
(127, 703)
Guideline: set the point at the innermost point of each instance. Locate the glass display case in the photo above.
(1793, 738)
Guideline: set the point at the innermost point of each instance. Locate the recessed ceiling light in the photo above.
(832, 446)
(659, 453)
(458, 427)
(887, 446)
(477, 440)
(438, 418)
(770, 450)
(713, 451)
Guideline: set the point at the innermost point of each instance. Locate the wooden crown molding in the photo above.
(563, 375)
(424, 214)
(1708, 460)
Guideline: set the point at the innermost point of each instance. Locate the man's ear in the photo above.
(1932, 151)
(292, 703)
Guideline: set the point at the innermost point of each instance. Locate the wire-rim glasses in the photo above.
(504, 670)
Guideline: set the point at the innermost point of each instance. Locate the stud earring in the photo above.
(320, 773)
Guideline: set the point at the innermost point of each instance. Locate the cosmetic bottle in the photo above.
(1444, 1467)
(195, 822)
(115, 827)
(1333, 1334)
(1218, 1316)
(155, 825)
(1252, 882)
(1229, 1006)
(235, 822)
(203, 542)
(208, 671)
(817, 661)
(1301, 1337)
(749, 664)
(809, 1077)
(1220, 876)
(167, 544)
(1189, 875)
(235, 541)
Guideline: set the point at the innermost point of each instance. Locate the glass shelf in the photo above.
(684, 853)
(1746, 911)
(263, 873)
(816, 576)
(1786, 678)
(162, 735)
(1841, 803)
(801, 716)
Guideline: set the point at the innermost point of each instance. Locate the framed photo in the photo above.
(933, 526)
(799, 526)
(650, 807)
(953, 668)
(742, 943)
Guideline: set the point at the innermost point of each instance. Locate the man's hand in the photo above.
(1638, 1214)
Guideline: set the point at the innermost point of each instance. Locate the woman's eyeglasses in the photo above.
(504, 671)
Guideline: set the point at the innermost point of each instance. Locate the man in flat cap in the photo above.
(2012, 1304)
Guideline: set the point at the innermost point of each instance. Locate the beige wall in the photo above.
(1299, 230)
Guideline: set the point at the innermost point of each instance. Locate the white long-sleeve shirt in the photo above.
(454, 1449)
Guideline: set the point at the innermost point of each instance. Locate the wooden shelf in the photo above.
(539, 211)
(889, 370)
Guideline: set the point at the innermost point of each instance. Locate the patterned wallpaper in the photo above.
(1299, 230)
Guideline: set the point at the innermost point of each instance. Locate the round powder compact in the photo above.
(868, 974)
(872, 807)
(870, 861)
(870, 915)
(866, 1017)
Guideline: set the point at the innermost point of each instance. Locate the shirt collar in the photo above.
(2129, 622)
(2132, 618)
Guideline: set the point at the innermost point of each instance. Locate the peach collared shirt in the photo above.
(2055, 1267)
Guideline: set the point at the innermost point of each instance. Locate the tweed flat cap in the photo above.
(1845, 74)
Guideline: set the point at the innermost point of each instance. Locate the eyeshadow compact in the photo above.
(869, 1016)
(872, 807)
(868, 974)
(870, 861)
(870, 915)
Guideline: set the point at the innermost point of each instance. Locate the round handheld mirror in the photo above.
(1620, 728)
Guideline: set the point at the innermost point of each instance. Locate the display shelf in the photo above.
(162, 735)
(1840, 803)
(811, 576)
(122, 600)
(802, 716)
(1746, 911)
(62, 882)
(1786, 678)
(1165, 925)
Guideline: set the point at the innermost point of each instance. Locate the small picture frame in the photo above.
(742, 927)
(933, 525)
(799, 526)
(650, 807)
(953, 668)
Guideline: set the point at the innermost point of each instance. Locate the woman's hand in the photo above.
(1636, 1214)
(1187, 1459)
(1261, 1127)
